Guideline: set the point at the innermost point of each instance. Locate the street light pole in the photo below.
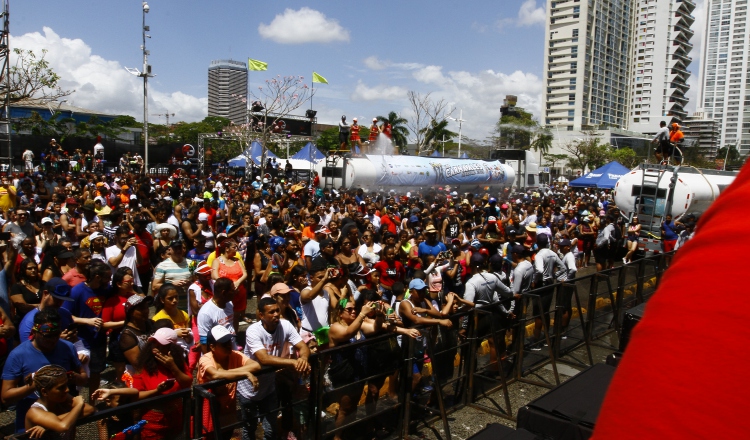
(145, 74)
(460, 121)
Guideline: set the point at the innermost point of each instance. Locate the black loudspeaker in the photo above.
(568, 411)
(496, 431)
(632, 316)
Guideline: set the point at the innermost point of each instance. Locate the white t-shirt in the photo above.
(128, 260)
(256, 339)
(195, 291)
(312, 249)
(315, 313)
(211, 315)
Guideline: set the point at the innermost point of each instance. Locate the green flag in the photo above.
(319, 79)
(256, 65)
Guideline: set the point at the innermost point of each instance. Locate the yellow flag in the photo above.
(256, 65)
(319, 79)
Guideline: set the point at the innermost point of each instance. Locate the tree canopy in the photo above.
(31, 77)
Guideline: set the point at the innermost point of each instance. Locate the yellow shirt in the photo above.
(163, 315)
(7, 200)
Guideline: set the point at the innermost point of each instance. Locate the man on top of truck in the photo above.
(663, 147)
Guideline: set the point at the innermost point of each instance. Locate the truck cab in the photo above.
(524, 163)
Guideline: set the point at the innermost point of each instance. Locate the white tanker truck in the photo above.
(413, 173)
(651, 192)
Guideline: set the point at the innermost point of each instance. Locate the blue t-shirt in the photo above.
(26, 359)
(670, 231)
(87, 304)
(294, 301)
(426, 249)
(24, 328)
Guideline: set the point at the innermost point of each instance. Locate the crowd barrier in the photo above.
(455, 364)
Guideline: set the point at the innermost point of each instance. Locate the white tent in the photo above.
(561, 179)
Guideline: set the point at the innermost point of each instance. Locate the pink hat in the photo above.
(280, 288)
(164, 336)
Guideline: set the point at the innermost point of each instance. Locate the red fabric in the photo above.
(354, 132)
(145, 247)
(374, 132)
(168, 422)
(211, 216)
(390, 272)
(114, 309)
(386, 221)
(683, 373)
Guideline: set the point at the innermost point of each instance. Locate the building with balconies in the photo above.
(724, 80)
(587, 64)
(661, 47)
(705, 131)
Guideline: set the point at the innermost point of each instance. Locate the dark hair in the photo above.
(47, 376)
(265, 302)
(97, 267)
(163, 323)
(48, 315)
(275, 278)
(79, 251)
(222, 285)
(119, 275)
(122, 230)
(297, 271)
(224, 246)
(23, 266)
(163, 291)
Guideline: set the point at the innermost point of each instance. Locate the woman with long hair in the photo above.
(227, 265)
(113, 314)
(165, 303)
(260, 262)
(634, 231)
(162, 369)
(369, 250)
(135, 331)
(346, 256)
(26, 294)
(54, 414)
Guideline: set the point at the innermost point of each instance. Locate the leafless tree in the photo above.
(425, 110)
(268, 104)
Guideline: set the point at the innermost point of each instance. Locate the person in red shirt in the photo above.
(208, 209)
(113, 316)
(389, 220)
(354, 133)
(162, 370)
(391, 270)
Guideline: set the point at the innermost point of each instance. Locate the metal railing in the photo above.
(455, 364)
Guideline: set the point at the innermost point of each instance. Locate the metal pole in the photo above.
(145, 94)
(460, 123)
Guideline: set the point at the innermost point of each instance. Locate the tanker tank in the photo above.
(378, 172)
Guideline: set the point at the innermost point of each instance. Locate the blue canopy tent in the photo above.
(436, 153)
(604, 177)
(464, 156)
(309, 153)
(255, 153)
(238, 162)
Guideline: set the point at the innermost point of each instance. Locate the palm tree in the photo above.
(436, 132)
(398, 129)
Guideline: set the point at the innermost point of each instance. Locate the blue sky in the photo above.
(469, 53)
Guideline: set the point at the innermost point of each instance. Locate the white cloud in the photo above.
(374, 63)
(529, 14)
(104, 85)
(303, 26)
(385, 93)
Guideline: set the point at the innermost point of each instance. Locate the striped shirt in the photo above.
(172, 272)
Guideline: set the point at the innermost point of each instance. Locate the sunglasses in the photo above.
(350, 309)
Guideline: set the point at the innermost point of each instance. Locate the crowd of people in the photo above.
(151, 278)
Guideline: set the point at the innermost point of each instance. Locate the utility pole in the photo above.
(145, 74)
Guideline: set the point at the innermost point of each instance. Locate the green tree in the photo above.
(587, 154)
(516, 132)
(398, 129)
(626, 156)
(32, 78)
(542, 142)
(328, 140)
(436, 133)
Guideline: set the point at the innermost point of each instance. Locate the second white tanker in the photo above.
(375, 172)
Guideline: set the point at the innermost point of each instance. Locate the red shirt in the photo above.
(386, 221)
(390, 272)
(144, 381)
(113, 310)
(145, 247)
(211, 216)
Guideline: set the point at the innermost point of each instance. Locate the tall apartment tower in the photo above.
(225, 79)
(661, 44)
(586, 64)
(725, 71)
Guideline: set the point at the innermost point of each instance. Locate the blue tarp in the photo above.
(605, 177)
(238, 162)
(309, 153)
